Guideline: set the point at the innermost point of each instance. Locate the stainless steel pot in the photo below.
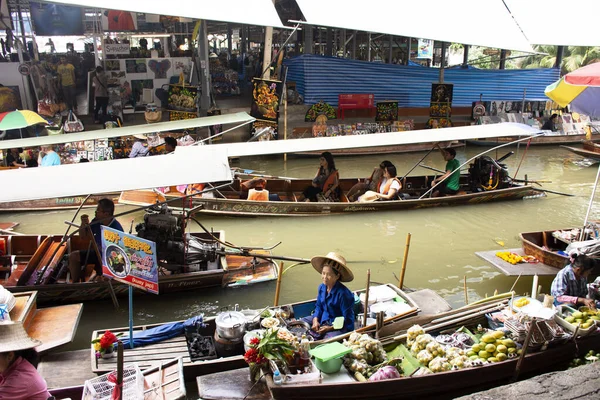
(252, 321)
(231, 325)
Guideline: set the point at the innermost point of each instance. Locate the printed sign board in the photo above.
(116, 48)
(129, 259)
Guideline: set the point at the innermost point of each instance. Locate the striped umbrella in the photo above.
(580, 89)
(19, 119)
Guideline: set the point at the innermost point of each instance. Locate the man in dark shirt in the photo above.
(13, 158)
(79, 259)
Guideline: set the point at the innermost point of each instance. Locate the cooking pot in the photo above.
(231, 324)
(252, 320)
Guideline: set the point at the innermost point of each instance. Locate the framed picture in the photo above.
(89, 145)
(108, 153)
(112, 65)
(101, 143)
(136, 66)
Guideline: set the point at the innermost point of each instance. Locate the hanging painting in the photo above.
(386, 110)
(159, 68)
(320, 108)
(266, 95)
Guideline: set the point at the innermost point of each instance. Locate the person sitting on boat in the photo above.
(48, 157)
(325, 183)
(371, 183)
(570, 284)
(333, 298)
(140, 147)
(448, 186)
(389, 187)
(13, 158)
(170, 144)
(256, 191)
(79, 259)
(19, 378)
(549, 125)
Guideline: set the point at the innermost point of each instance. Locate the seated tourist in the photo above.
(389, 187)
(256, 191)
(370, 183)
(325, 184)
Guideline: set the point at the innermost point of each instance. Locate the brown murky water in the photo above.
(441, 252)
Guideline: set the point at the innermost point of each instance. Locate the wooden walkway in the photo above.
(525, 269)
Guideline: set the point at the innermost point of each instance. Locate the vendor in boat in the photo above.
(450, 185)
(79, 259)
(140, 147)
(370, 183)
(326, 182)
(570, 284)
(333, 298)
(550, 124)
(19, 378)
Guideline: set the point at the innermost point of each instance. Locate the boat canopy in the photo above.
(235, 118)
(372, 140)
(448, 21)
(114, 176)
(255, 12)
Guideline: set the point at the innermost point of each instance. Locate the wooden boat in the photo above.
(6, 226)
(398, 149)
(31, 253)
(227, 202)
(589, 150)
(60, 203)
(547, 139)
(162, 382)
(544, 246)
(53, 326)
(439, 385)
(149, 355)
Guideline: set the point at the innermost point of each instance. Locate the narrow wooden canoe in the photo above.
(149, 355)
(60, 203)
(227, 202)
(543, 246)
(162, 382)
(5, 226)
(364, 151)
(550, 139)
(30, 255)
(53, 326)
(589, 150)
(439, 385)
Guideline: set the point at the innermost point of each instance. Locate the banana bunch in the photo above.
(523, 301)
(510, 257)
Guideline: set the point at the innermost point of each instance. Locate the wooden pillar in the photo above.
(267, 50)
(308, 39)
(443, 62)
(229, 42)
(408, 46)
(560, 51)
(502, 59)
(329, 42)
(465, 54)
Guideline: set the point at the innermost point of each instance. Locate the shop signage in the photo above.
(425, 49)
(116, 48)
(129, 259)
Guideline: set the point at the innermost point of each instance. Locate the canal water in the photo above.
(442, 248)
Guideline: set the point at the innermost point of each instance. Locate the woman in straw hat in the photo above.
(140, 147)
(19, 378)
(333, 298)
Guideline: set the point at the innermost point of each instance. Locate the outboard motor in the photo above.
(485, 173)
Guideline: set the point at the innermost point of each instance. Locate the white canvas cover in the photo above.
(254, 12)
(474, 22)
(556, 22)
(240, 117)
(113, 176)
(371, 140)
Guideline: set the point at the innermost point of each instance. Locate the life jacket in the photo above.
(330, 181)
(388, 185)
(258, 195)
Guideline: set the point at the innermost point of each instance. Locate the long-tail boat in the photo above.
(30, 257)
(589, 150)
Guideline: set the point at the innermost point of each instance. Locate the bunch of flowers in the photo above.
(104, 343)
(270, 347)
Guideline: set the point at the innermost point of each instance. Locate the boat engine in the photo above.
(166, 229)
(485, 173)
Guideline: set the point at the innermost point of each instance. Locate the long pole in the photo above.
(524, 349)
(465, 287)
(587, 214)
(285, 118)
(404, 259)
(278, 287)
(366, 311)
(120, 356)
(130, 317)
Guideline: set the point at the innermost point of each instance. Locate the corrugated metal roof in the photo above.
(324, 78)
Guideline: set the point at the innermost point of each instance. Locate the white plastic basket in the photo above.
(100, 388)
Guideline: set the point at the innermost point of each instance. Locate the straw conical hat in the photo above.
(13, 337)
(339, 264)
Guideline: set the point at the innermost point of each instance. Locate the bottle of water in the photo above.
(277, 379)
(304, 354)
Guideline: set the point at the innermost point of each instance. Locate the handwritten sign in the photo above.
(129, 259)
(116, 48)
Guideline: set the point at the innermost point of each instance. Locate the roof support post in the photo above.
(465, 54)
(502, 59)
(353, 55)
(560, 52)
(343, 42)
(329, 42)
(205, 85)
(443, 62)
(308, 39)
(369, 46)
(390, 50)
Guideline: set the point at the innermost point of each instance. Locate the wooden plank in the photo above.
(525, 269)
(70, 368)
(430, 303)
(55, 326)
(231, 385)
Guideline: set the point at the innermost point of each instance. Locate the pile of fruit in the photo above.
(523, 301)
(493, 347)
(366, 352)
(584, 318)
(431, 353)
(589, 358)
(514, 258)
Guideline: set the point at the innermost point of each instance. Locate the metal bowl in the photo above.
(299, 328)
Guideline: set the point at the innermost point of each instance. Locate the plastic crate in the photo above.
(100, 388)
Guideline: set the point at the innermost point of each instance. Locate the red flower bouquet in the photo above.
(105, 343)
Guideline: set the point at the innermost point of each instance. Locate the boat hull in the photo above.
(535, 141)
(364, 151)
(543, 246)
(59, 203)
(594, 155)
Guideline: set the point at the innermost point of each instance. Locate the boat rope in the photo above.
(522, 158)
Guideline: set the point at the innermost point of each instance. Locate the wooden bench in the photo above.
(354, 102)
